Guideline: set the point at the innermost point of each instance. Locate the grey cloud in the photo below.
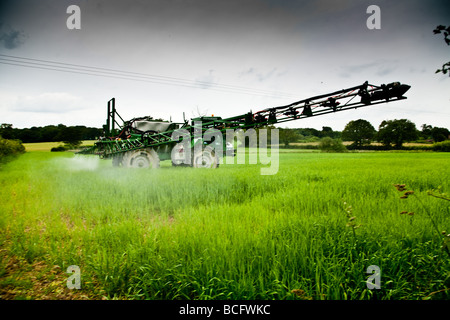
(418, 70)
(260, 76)
(380, 68)
(205, 81)
(11, 38)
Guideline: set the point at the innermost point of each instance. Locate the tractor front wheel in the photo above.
(142, 158)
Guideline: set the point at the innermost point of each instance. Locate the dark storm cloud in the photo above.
(11, 38)
(297, 46)
(199, 21)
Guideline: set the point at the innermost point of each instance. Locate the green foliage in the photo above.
(443, 235)
(50, 133)
(446, 31)
(68, 145)
(10, 148)
(437, 134)
(310, 135)
(443, 146)
(314, 134)
(328, 144)
(58, 149)
(72, 144)
(396, 132)
(359, 131)
(287, 136)
(440, 134)
(309, 139)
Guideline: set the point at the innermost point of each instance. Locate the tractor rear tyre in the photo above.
(205, 158)
(142, 158)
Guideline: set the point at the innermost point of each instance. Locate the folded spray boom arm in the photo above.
(332, 102)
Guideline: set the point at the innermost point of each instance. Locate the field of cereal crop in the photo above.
(308, 232)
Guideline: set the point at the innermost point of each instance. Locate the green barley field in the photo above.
(308, 232)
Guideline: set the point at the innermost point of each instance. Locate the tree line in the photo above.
(50, 133)
(360, 132)
(392, 133)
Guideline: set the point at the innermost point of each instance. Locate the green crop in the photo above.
(308, 232)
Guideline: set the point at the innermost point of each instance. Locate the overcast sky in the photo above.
(216, 57)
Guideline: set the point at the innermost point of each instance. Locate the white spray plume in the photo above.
(82, 162)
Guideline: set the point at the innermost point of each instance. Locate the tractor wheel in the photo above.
(178, 156)
(205, 158)
(142, 158)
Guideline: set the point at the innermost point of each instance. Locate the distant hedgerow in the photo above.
(58, 149)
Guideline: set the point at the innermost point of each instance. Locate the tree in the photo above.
(426, 131)
(436, 133)
(69, 135)
(359, 131)
(328, 132)
(32, 134)
(446, 32)
(287, 136)
(49, 133)
(6, 131)
(311, 132)
(439, 134)
(396, 132)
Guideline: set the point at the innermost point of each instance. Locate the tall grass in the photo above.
(231, 233)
